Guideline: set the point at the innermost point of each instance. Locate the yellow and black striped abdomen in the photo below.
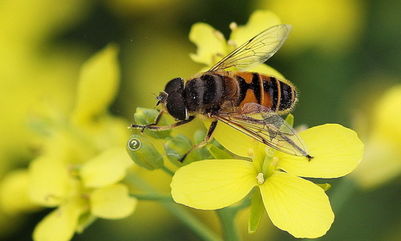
(268, 91)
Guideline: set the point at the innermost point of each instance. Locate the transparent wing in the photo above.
(267, 127)
(256, 50)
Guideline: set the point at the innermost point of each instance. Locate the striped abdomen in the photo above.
(214, 91)
(268, 91)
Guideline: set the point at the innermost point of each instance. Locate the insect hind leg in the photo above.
(202, 143)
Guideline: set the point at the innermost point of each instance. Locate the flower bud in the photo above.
(144, 116)
(218, 153)
(177, 147)
(290, 120)
(143, 153)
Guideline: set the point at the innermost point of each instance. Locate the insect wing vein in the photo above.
(256, 50)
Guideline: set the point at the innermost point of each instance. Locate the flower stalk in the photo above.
(179, 212)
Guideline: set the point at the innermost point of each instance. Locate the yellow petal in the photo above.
(386, 118)
(297, 206)
(61, 223)
(107, 168)
(233, 140)
(107, 132)
(97, 85)
(381, 163)
(336, 151)
(265, 69)
(211, 45)
(48, 181)
(14, 196)
(213, 184)
(112, 202)
(259, 21)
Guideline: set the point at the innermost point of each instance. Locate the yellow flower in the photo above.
(382, 160)
(212, 46)
(331, 26)
(83, 158)
(294, 204)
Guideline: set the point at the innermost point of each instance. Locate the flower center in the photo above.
(270, 166)
(260, 178)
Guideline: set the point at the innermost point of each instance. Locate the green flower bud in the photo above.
(218, 153)
(177, 147)
(201, 153)
(143, 153)
(324, 186)
(290, 120)
(144, 116)
(199, 136)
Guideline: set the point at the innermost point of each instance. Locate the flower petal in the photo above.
(385, 123)
(61, 223)
(265, 69)
(107, 168)
(233, 140)
(49, 181)
(213, 184)
(97, 86)
(14, 196)
(210, 42)
(381, 163)
(336, 151)
(112, 202)
(258, 21)
(296, 205)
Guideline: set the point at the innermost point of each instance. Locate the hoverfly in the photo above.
(247, 101)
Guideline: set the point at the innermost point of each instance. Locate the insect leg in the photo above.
(155, 122)
(162, 128)
(204, 142)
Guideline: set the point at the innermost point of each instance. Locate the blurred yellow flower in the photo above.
(212, 46)
(83, 157)
(30, 59)
(294, 204)
(331, 26)
(15, 184)
(382, 160)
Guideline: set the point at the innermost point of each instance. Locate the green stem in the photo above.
(227, 220)
(186, 217)
(168, 171)
(152, 197)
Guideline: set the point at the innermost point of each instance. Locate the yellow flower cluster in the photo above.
(293, 204)
(83, 158)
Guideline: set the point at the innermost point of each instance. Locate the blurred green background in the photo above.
(342, 55)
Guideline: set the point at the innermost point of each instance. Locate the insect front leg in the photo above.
(202, 143)
(155, 127)
(155, 122)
